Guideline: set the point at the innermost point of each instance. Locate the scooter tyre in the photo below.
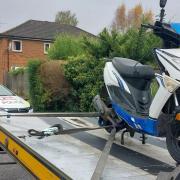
(173, 146)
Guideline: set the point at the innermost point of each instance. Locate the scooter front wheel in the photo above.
(173, 141)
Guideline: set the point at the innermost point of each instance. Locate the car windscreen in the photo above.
(5, 92)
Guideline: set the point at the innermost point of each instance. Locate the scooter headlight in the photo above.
(170, 84)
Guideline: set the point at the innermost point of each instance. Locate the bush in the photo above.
(134, 44)
(19, 70)
(37, 94)
(49, 89)
(138, 45)
(65, 46)
(85, 73)
(104, 46)
(54, 82)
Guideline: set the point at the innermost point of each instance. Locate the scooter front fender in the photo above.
(159, 100)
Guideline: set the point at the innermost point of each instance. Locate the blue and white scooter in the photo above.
(128, 84)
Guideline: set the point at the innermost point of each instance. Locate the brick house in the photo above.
(30, 40)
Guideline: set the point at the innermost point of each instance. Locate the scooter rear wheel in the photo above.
(173, 141)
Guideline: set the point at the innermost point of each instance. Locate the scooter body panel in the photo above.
(113, 78)
(160, 99)
(170, 58)
(141, 125)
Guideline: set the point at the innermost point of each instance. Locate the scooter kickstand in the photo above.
(143, 138)
(122, 136)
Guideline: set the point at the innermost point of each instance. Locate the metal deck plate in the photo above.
(77, 155)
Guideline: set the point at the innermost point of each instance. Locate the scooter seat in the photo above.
(132, 69)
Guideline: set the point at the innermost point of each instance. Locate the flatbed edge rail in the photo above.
(44, 114)
(28, 158)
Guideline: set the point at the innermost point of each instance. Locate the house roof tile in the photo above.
(44, 30)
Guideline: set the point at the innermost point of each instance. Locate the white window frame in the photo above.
(13, 41)
(46, 52)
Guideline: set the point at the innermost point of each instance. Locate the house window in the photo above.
(46, 47)
(17, 45)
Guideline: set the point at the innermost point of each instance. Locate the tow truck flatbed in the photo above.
(71, 157)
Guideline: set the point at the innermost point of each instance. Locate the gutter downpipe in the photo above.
(8, 56)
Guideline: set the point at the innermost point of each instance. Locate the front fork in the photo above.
(176, 100)
(176, 113)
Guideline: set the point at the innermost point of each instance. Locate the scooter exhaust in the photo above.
(105, 112)
(100, 106)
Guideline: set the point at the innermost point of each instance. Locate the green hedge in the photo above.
(38, 96)
(46, 95)
(85, 73)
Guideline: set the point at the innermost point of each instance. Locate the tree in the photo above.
(131, 19)
(120, 18)
(66, 17)
(64, 46)
(134, 44)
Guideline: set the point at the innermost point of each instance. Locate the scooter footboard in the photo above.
(141, 125)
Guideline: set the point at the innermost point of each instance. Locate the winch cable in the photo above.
(57, 129)
(104, 156)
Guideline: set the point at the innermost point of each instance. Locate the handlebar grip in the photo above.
(148, 26)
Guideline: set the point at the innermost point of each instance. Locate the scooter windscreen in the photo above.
(176, 27)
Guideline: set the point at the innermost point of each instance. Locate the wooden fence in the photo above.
(19, 84)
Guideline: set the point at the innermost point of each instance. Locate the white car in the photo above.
(12, 103)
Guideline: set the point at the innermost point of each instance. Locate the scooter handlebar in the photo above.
(153, 27)
(148, 26)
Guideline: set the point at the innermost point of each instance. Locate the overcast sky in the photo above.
(93, 15)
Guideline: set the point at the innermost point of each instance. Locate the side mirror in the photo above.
(163, 3)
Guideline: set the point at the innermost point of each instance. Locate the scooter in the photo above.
(128, 82)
